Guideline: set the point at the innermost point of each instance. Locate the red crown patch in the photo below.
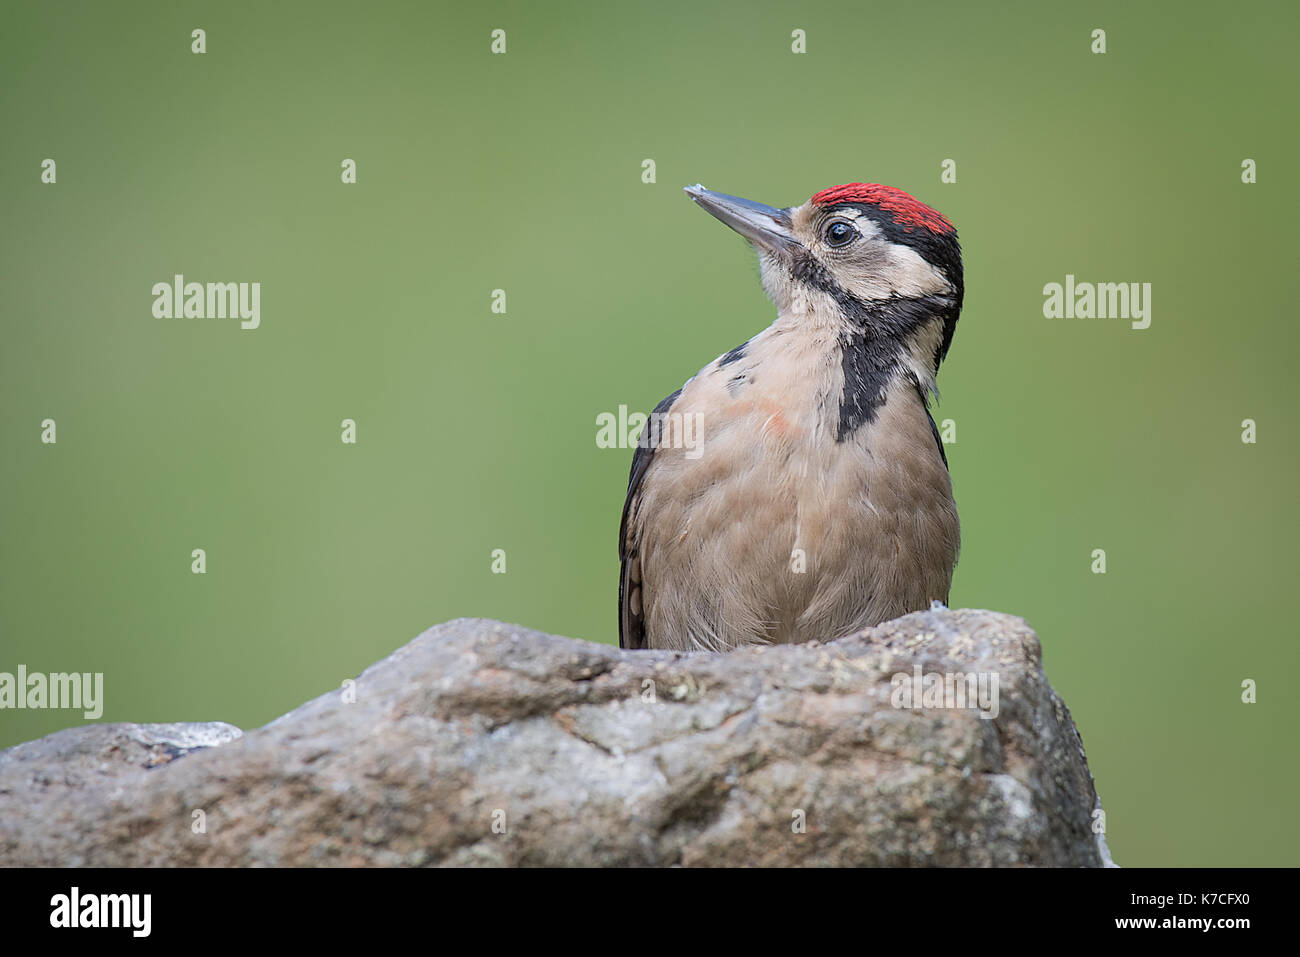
(905, 210)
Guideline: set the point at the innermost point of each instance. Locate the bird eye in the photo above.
(840, 233)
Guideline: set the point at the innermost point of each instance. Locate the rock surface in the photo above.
(486, 743)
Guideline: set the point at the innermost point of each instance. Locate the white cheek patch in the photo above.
(900, 272)
(912, 275)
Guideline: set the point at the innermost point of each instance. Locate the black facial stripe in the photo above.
(869, 365)
(941, 250)
(872, 347)
(872, 350)
(808, 270)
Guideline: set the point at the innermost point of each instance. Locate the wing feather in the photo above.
(631, 586)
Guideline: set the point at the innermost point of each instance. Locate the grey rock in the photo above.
(482, 743)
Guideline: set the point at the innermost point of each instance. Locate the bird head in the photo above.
(864, 260)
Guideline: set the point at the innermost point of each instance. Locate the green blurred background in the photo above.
(477, 431)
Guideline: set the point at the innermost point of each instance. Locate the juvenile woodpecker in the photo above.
(796, 487)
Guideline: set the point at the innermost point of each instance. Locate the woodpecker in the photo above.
(815, 500)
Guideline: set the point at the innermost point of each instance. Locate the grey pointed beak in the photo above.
(766, 227)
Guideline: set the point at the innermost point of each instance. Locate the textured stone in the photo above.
(587, 755)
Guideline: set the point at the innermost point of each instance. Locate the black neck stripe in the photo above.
(874, 337)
